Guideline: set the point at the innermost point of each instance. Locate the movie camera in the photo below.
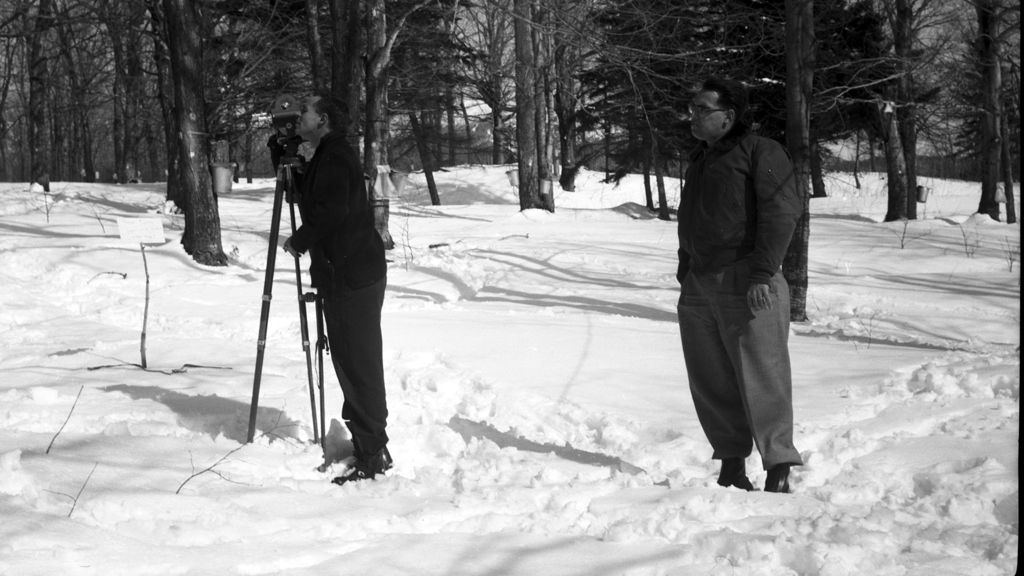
(284, 116)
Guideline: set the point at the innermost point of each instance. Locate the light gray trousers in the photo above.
(738, 364)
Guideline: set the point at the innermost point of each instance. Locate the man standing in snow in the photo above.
(738, 211)
(349, 271)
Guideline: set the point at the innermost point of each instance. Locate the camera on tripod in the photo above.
(284, 116)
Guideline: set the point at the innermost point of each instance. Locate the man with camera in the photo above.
(349, 272)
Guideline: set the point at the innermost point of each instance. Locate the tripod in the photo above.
(286, 186)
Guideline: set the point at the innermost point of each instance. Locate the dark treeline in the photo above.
(161, 90)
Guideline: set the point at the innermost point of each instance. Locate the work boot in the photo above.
(734, 473)
(778, 479)
(367, 467)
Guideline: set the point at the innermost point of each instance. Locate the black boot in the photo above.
(778, 479)
(734, 473)
(367, 467)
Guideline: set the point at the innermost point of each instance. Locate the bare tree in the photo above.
(426, 157)
(903, 39)
(526, 107)
(201, 237)
(380, 41)
(568, 61)
(991, 16)
(799, 85)
(125, 26)
(316, 50)
(346, 65)
(543, 96)
(162, 65)
(38, 82)
(5, 86)
(917, 41)
(895, 162)
(487, 32)
(74, 65)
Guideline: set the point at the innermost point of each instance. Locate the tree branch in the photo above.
(209, 468)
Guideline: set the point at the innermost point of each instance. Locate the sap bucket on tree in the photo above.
(922, 193)
(380, 188)
(547, 194)
(223, 174)
(1000, 193)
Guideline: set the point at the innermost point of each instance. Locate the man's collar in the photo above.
(726, 142)
(737, 132)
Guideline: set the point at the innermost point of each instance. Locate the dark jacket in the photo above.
(337, 219)
(739, 207)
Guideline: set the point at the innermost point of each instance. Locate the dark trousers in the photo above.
(352, 321)
(738, 365)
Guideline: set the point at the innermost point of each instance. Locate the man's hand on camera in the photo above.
(290, 249)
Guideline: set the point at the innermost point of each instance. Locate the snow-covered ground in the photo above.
(540, 418)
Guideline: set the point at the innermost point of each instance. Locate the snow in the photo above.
(540, 417)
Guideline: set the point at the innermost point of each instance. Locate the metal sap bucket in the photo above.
(922, 193)
(223, 175)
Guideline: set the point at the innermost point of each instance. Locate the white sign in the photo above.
(141, 230)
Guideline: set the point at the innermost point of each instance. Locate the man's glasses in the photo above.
(701, 110)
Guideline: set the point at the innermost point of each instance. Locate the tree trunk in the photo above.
(545, 159)
(908, 140)
(566, 55)
(5, 85)
(526, 113)
(648, 190)
(894, 166)
(425, 158)
(903, 36)
(58, 139)
(117, 33)
(161, 57)
(247, 158)
(659, 178)
(315, 47)
(135, 88)
(467, 125)
(375, 132)
(154, 143)
(449, 104)
(1007, 165)
(799, 84)
(82, 158)
(39, 80)
(435, 132)
(856, 162)
(991, 83)
(497, 135)
(201, 238)
(817, 171)
(346, 65)
(872, 147)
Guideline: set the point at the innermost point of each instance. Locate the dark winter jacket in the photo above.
(337, 228)
(739, 207)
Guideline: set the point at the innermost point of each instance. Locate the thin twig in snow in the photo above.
(209, 468)
(52, 440)
(82, 489)
(98, 219)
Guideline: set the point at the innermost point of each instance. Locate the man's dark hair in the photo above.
(731, 94)
(334, 108)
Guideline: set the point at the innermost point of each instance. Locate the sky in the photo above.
(540, 418)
